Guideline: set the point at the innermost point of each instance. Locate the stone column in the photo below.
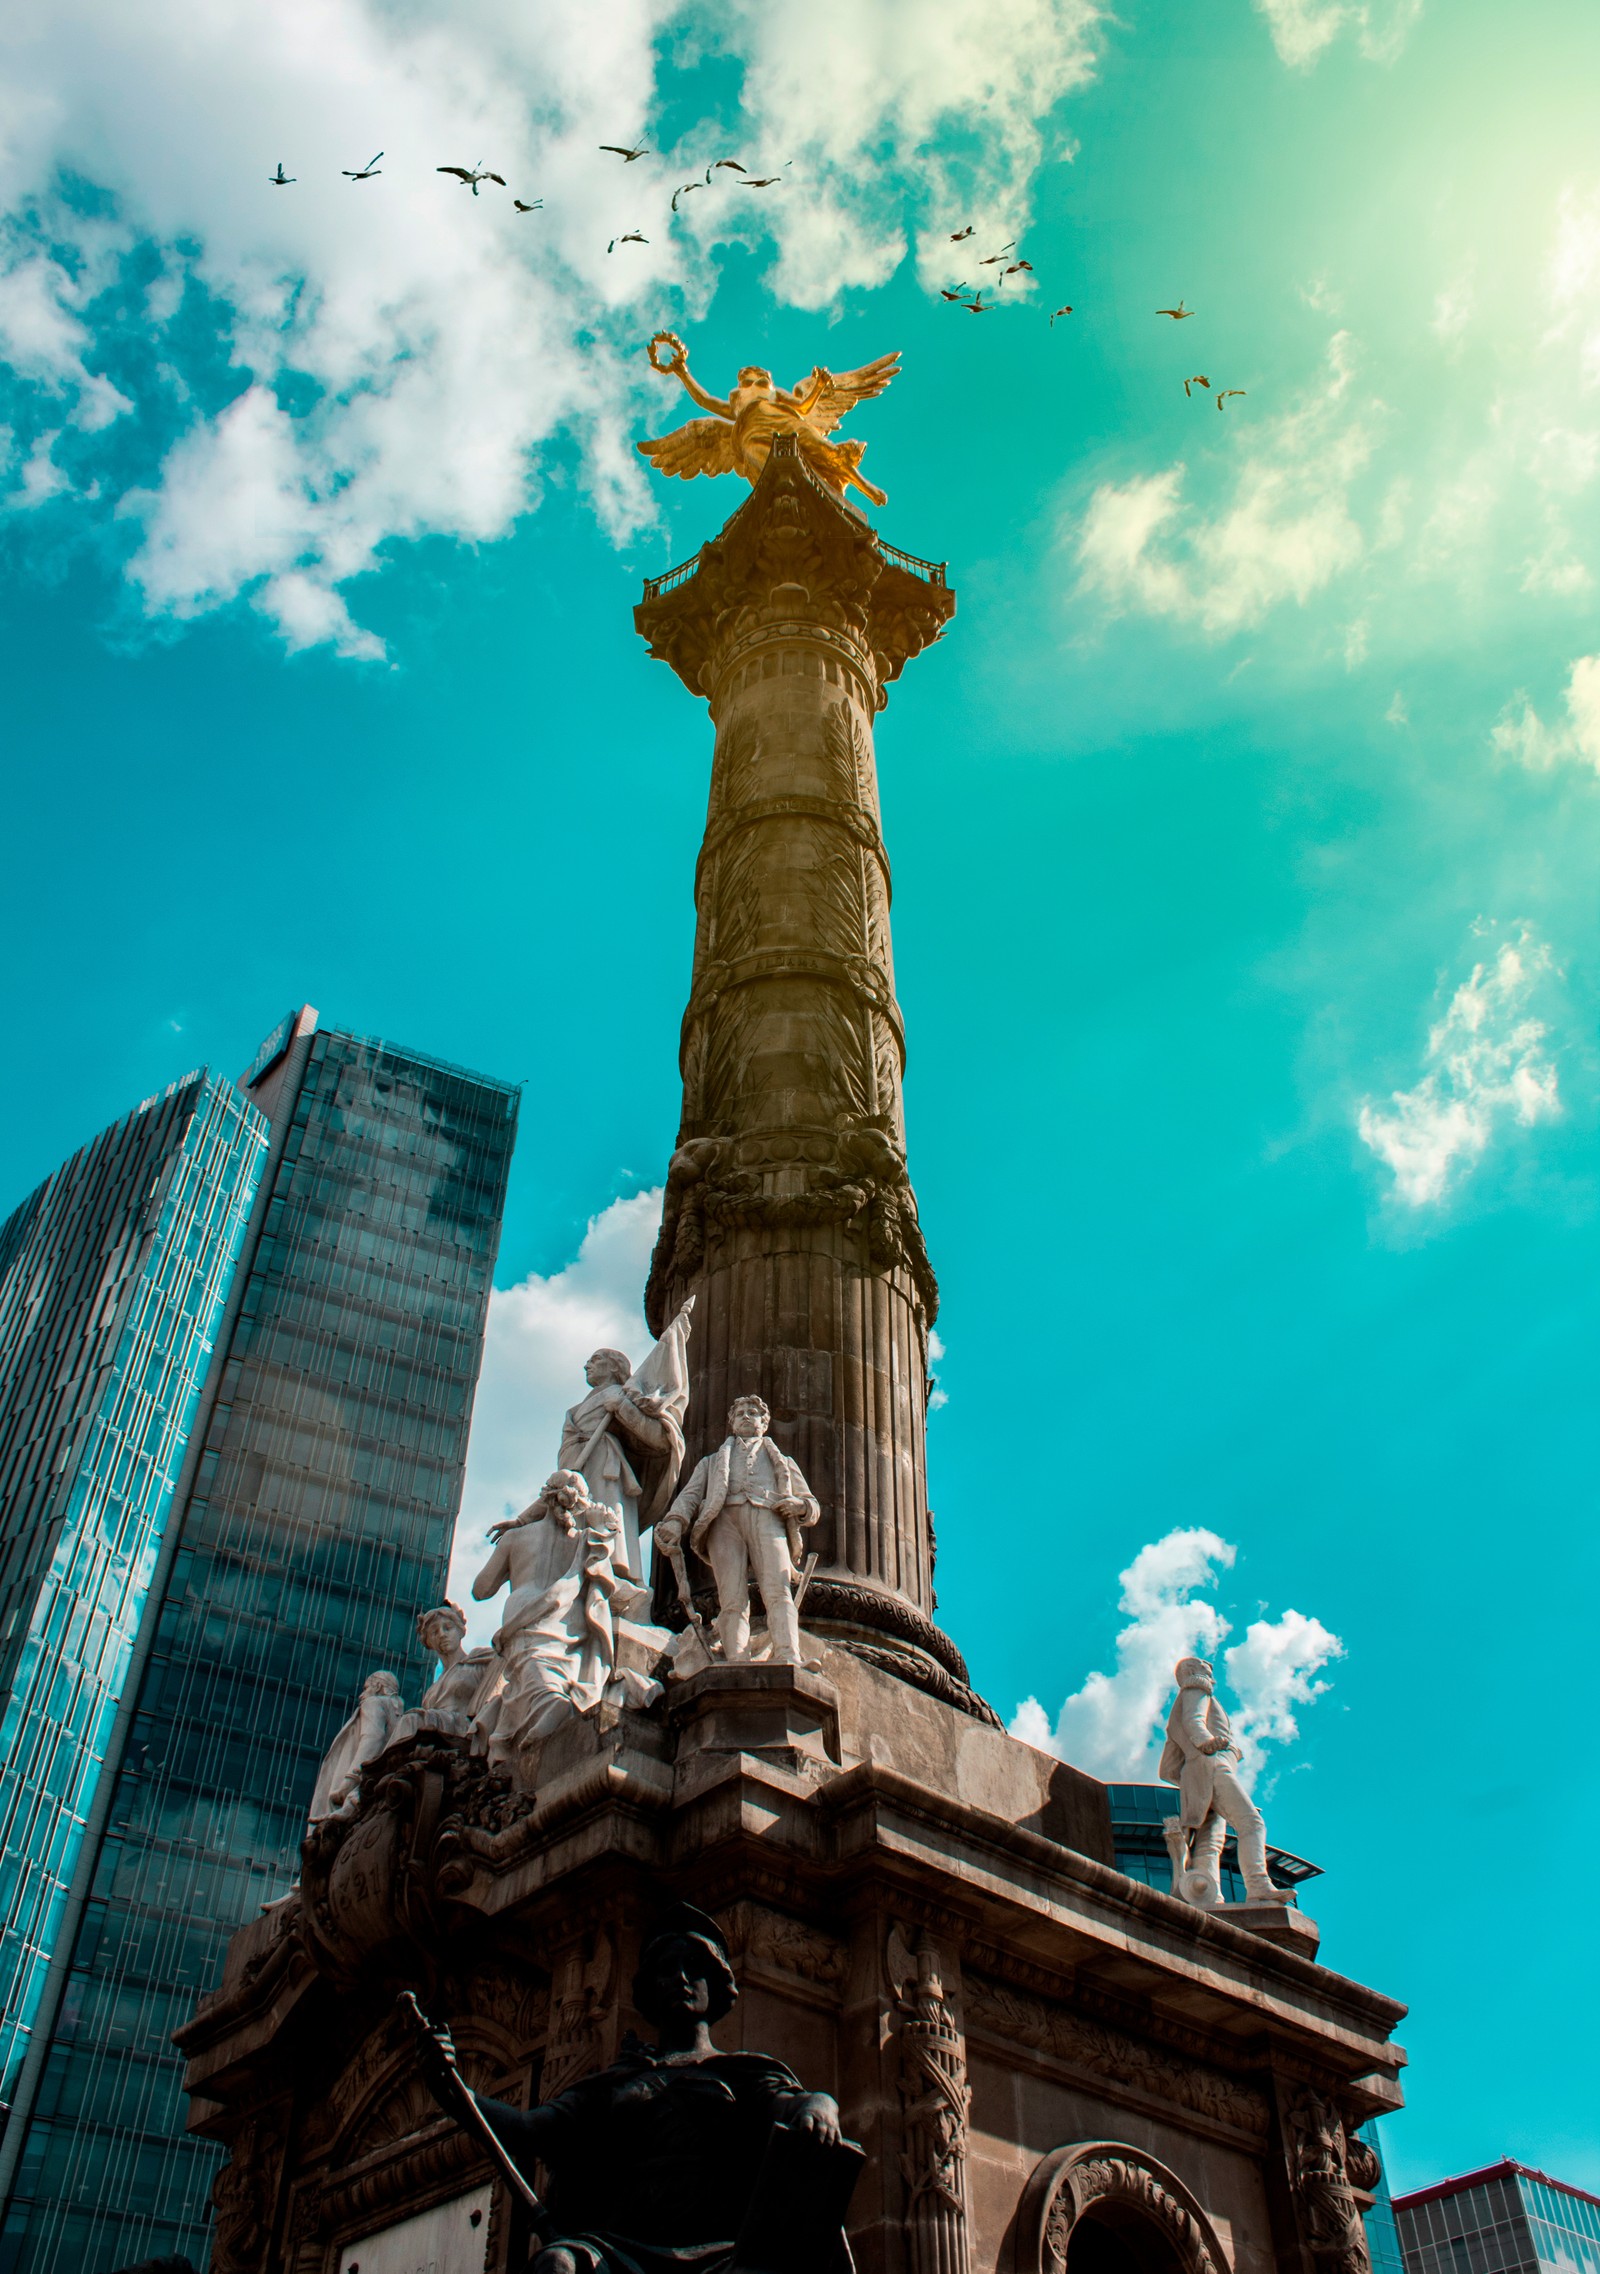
(789, 1211)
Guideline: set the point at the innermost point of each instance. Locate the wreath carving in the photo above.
(1070, 2181)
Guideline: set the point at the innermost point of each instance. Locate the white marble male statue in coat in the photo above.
(1201, 1758)
(744, 1509)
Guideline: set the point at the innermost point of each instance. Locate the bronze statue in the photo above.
(741, 430)
(678, 2158)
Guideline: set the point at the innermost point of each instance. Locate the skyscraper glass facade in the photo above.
(113, 1276)
(319, 1522)
(1506, 2219)
(1383, 2236)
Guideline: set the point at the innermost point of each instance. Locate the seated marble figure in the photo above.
(678, 2158)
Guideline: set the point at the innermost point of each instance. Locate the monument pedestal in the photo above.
(925, 1921)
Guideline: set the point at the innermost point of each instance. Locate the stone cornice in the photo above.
(792, 556)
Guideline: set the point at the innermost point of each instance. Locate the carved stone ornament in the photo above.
(857, 1180)
(936, 2104)
(375, 1880)
(1072, 2183)
(790, 538)
(1110, 2055)
(1330, 2216)
(581, 1990)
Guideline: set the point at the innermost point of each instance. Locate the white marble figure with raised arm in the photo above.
(1201, 1757)
(744, 1509)
(625, 1437)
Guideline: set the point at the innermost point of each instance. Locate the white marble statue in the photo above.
(744, 1509)
(464, 1698)
(364, 1736)
(625, 1438)
(558, 1637)
(1201, 1758)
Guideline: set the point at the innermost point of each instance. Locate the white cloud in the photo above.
(336, 365)
(1271, 1672)
(1109, 1726)
(539, 1334)
(1301, 29)
(1114, 1725)
(1520, 733)
(1486, 1067)
(1285, 533)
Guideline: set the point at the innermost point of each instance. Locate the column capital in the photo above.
(794, 563)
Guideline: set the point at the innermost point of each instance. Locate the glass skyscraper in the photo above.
(1506, 2219)
(316, 1520)
(113, 1276)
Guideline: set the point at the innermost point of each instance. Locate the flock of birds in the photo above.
(1008, 260)
(471, 177)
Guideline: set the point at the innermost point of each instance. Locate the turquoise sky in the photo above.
(1245, 826)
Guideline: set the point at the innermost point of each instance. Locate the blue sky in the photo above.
(1244, 827)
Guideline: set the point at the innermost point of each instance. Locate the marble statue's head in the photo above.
(380, 1686)
(606, 1366)
(748, 1417)
(438, 1627)
(755, 375)
(565, 1488)
(684, 1970)
(1194, 1674)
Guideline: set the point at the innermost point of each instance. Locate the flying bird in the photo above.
(683, 190)
(978, 306)
(718, 162)
(958, 236)
(365, 173)
(1177, 314)
(627, 156)
(990, 259)
(281, 180)
(533, 208)
(1224, 392)
(471, 176)
(959, 293)
(1199, 380)
(1066, 311)
(760, 181)
(632, 238)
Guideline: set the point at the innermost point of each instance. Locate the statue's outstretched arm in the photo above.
(697, 393)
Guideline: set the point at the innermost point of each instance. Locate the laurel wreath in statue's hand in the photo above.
(678, 358)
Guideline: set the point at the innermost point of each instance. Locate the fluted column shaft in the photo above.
(789, 1209)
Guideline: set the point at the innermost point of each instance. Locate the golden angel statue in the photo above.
(740, 432)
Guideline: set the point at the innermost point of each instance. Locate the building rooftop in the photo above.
(1506, 2168)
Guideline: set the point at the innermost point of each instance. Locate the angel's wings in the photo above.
(842, 390)
(703, 446)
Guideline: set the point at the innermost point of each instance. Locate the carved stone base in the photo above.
(785, 1716)
(924, 1918)
(1282, 1923)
